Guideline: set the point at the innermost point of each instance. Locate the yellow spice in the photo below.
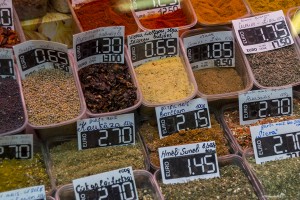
(164, 80)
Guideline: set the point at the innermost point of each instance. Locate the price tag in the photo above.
(6, 63)
(116, 184)
(263, 33)
(16, 146)
(276, 141)
(153, 45)
(6, 14)
(209, 50)
(34, 192)
(101, 45)
(144, 8)
(34, 55)
(188, 162)
(259, 104)
(106, 131)
(188, 115)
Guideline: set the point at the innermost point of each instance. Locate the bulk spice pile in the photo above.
(8, 38)
(258, 6)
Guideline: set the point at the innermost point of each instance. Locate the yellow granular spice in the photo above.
(164, 80)
(272, 5)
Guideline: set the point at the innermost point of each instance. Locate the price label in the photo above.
(116, 184)
(209, 50)
(6, 63)
(6, 14)
(263, 33)
(259, 104)
(34, 192)
(16, 146)
(106, 131)
(276, 141)
(35, 55)
(153, 45)
(101, 45)
(184, 163)
(144, 8)
(188, 115)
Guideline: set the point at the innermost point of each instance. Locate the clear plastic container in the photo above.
(29, 9)
(54, 142)
(188, 10)
(292, 17)
(138, 100)
(226, 161)
(18, 27)
(240, 64)
(144, 181)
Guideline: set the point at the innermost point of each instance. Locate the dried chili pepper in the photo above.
(8, 37)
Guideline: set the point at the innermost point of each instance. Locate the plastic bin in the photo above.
(240, 64)
(292, 17)
(29, 9)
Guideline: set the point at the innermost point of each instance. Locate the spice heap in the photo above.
(69, 163)
(107, 87)
(8, 37)
(51, 97)
(277, 67)
(242, 132)
(218, 80)
(16, 174)
(232, 184)
(280, 178)
(11, 107)
(218, 12)
(258, 6)
(151, 136)
(164, 80)
(105, 13)
(168, 20)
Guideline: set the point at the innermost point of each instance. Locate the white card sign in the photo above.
(34, 193)
(6, 14)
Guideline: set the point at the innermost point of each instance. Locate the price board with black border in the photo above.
(34, 55)
(187, 115)
(263, 32)
(6, 14)
(153, 45)
(106, 131)
(101, 45)
(188, 162)
(207, 50)
(258, 104)
(117, 184)
(6, 63)
(16, 146)
(34, 192)
(276, 141)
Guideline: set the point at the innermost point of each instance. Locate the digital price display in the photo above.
(188, 115)
(6, 17)
(188, 162)
(106, 131)
(117, 185)
(259, 104)
(275, 141)
(16, 147)
(6, 67)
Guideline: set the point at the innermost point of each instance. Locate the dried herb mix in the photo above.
(232, 184)
(11, 107)
(8, 37)
(69, 163)
(107, 87)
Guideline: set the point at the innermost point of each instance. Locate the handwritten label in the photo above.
(188, 162)
(34, 55)
(6, 63)
(259, 104)
(276, 141)
(29, 193)
(101, 45)
(188, 115)
(116, 184)
(207, 50)
(6, 14)
(153, 45)
(106, 131)
(263, 33)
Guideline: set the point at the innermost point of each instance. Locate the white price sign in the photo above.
(6, 14)
(35, 192)
(6, 63)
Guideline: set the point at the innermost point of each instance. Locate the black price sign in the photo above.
(188, 162)
(6, 17)
(117, 185)
(6, 67)
(275, 141)
(106, 131)
(189, 115)
(259, 104)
